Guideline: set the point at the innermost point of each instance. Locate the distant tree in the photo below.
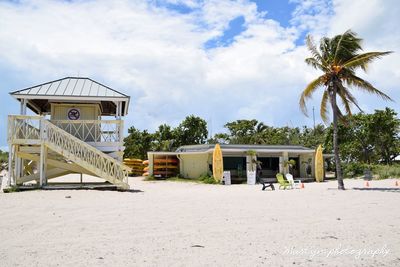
(219, 138)
(164, 138)
(368, 138)
(310, 137)
(354, 139)
(138, 143)
(3, 156)
(191, 131)
(254, 132)
(3, 159)
(241, 131)
(338, 58)
(384, 129)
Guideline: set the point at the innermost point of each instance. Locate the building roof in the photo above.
(244, 148)
(72, 89)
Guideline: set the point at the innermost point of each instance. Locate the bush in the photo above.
(387, 171)
(207, 179)
(354, 169)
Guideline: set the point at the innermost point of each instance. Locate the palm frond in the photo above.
(345, 101)
(325, 47)
(313, 49)
(353, 80)
(308, 91)
(351, 98)
(362, 60)
(324, 107)
(340, 115)
(345, 46)
(338, 46)
(313, 62)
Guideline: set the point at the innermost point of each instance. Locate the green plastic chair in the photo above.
(282, 182)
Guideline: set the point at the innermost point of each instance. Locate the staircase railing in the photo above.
(23, 128)
(85, 155)
(93, 130)
(36, 129)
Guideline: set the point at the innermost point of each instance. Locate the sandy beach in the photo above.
(187, 224)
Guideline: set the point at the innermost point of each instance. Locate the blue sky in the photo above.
(219, 59)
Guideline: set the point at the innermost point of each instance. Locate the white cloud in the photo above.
(312, 15)
(377, 22)
(157, 55)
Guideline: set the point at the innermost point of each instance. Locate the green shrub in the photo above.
(355, 169)
(11, 189)
(387, 171)
(207, 179)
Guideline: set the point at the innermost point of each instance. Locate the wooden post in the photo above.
(120, 127)
(23, 107)
(10, 163)
(121, 131)
(43, 164)
(17, 165)
(20, 165)
(43, 155)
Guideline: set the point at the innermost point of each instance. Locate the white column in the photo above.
(43, 156)
(20, 165)
(121, 126)
(285, 158)
(17, 166)
(21, 110)
(120, 110)
(151, 164)
(43, 163)
(10, 163)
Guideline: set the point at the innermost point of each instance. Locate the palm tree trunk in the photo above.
(335, 139)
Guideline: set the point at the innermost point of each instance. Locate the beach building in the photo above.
(196, 160)
(76, 127)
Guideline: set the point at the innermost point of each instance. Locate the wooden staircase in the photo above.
(35, 138)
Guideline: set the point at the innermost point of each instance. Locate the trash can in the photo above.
(251, 177)
(227, 177)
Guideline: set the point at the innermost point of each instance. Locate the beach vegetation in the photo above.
(191, 131)
(207, 179)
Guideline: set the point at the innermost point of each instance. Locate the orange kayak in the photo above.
(166, 161)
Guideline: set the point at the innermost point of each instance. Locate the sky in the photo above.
(220, 60)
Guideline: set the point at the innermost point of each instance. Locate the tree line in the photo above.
(365, 138)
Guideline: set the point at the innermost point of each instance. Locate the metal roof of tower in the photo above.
(72, 89)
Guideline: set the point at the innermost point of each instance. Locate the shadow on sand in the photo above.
(381, 189)
(131, 191)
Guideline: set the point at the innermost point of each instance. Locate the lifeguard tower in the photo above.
(70, 133)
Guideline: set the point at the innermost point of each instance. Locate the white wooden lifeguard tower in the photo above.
(69, 134)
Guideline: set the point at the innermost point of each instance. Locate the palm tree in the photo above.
(339, 58)
(258, 135)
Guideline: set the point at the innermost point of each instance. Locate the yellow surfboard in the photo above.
(218, 164)
(319, 165)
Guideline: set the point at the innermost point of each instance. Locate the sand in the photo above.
(189, 224)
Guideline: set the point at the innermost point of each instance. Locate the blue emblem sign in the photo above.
(74, 114)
